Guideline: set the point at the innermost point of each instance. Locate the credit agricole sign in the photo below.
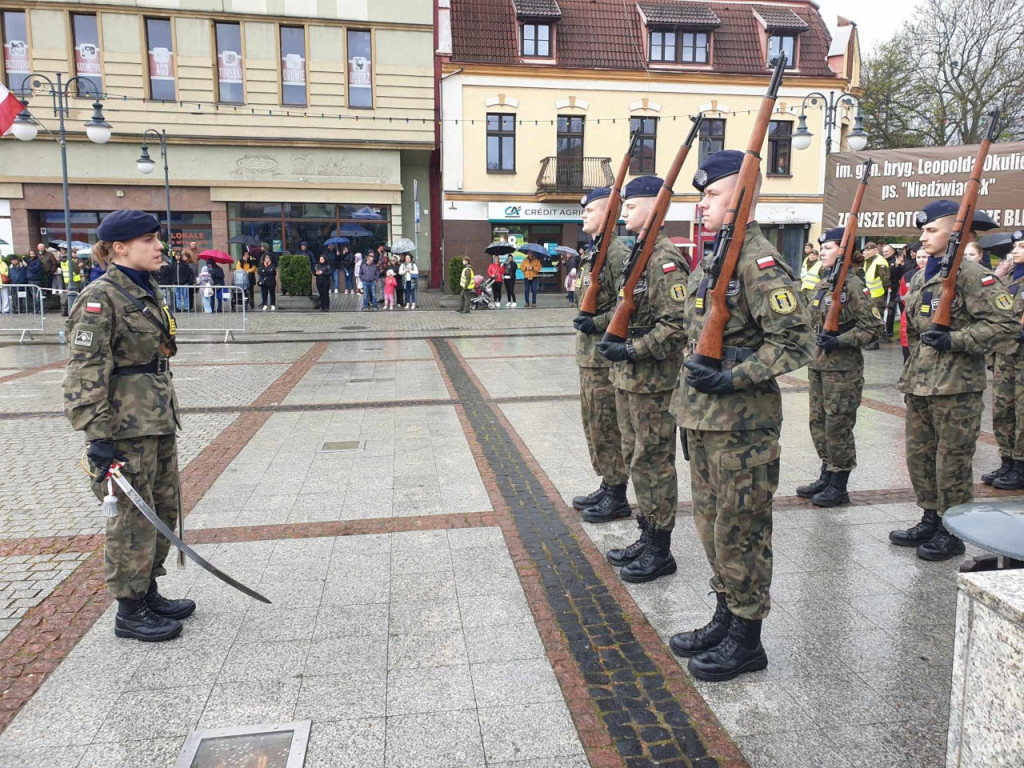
(905, 180)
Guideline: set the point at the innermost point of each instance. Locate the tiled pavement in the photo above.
(411, 639)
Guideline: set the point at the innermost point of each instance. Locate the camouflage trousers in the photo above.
(733, 477)
(834, 399)
(1008, 404)
(941, 435)
(649, 449)
(135, 551)
(601, 425)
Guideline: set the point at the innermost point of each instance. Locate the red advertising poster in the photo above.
(293, 69)
(161, 64)
(16, 61)
(229, 68)
(87, 59)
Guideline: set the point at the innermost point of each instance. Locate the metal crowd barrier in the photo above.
(22, 310)
(224, 311)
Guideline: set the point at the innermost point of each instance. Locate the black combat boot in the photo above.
(741, 651)
(135, 619)
(1004, 467)
(611, 507)
(920, 533)
(582, 502)
(621, 557)
(942, 546)
(656, 560)
(1012, 480)
(819, 485)
(169, 609)
(707, 637)
(834, 493)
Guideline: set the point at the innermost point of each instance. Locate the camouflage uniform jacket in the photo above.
(767, 317)
(982, 321)
(656, 326)
(587, 355)
(859, 324)
(105, 331)
(1016, 289)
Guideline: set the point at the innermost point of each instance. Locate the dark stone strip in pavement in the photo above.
(50, 545)
(629, 699)
(49, 630)
(32, 371)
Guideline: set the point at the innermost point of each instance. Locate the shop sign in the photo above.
(161, 64)
(229, 68)
(534, 212)
(16, 62)
(294, 70)
(87, 59)
(903, 181)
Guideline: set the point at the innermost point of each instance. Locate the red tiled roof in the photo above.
(535, 9)
(698, 14)
(780, 18)
(608, 34)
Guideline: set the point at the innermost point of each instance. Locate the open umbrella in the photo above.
(533, 248)
(500, 249)
(565, 250)
(245, 240)
(354, 230)
(403, 245)
(63, 244)
(1001, 243)
(337, 241)
(214, 255)
(366, 212)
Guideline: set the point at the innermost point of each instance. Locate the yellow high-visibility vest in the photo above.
(872, 279)
(810, 275)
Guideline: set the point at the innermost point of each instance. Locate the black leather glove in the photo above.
(828, 342)
(585, 324)
(1020, 339)
(615, 351)
(708, 380)
(102, 454)
(940, 340)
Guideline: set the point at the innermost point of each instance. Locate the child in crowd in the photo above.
(570, 286)
(390, 285)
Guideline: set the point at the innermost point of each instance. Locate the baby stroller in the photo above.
(484, 298)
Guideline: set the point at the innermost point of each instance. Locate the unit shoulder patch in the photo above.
(678, 293)
(782, 301)
(876, 313)
(84, 339)
(1003, 301)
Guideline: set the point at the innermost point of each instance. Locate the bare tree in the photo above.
(936, 80)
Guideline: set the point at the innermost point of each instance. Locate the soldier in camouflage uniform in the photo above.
(644, 374)
(732, 419)
(1008, 387)
(836, 374)
(118, 390)
(597, 394)
(943, 380)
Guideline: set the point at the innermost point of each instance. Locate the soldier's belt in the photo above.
(730, 354)
(640, 331)
(160, 365)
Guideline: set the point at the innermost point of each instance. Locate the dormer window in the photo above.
(537, 19)
(782, 27)
(782, 44)
(678, 33)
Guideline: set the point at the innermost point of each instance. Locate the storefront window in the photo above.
(15, 39)
(185, 226)
(285, 226)
(229, 63)
(87, 52)
(547, 235)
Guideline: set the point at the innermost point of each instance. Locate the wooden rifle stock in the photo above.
(846, 254)
(588, 306)
(618, 328)
(942, 319)
(729, 242)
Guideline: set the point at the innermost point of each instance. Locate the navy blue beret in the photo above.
(642, 186)
(595, 194)
(717, 166)
(834, 235)
(941, 208)
(119, 226)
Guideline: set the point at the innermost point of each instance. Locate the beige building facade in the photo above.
(286, 120)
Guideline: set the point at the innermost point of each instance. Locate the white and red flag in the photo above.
(10, 108)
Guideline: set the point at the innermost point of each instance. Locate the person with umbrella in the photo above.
(214, 259)
(511, 268)
(531, 268)
(410, 275)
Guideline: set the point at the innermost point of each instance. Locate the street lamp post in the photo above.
(858, 138)
(26, 127)
(145, 164)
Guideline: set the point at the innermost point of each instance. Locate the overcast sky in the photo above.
(877, 20)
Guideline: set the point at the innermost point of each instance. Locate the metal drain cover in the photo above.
(341, 445)
(265, 746)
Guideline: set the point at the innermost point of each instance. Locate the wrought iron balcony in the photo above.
(573, 175)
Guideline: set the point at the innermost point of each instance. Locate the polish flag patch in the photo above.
(93, 306)
(670, 267)
(766, 261)
(987, 280)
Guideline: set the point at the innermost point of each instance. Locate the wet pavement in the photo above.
(397, 485)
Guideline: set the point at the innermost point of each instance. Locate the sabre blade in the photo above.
(171, 536)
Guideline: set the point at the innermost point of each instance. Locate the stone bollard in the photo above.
(986, 724)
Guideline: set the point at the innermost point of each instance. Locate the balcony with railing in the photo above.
(572, 176)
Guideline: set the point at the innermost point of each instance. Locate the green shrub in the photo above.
(296, 278)
(454, 274)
